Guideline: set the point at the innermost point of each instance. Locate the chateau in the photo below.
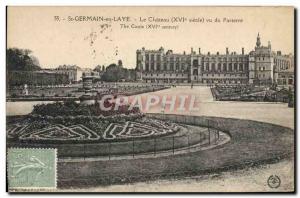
(260, 66)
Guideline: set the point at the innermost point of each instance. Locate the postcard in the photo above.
(150, 99)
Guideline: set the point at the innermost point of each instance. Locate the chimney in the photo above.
(218, 53)
(242, 50)
(199, 50)
(227, 51)
(192, 50)
(208, 53)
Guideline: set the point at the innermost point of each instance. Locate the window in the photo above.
(230, 66)
(182, 66)
(241, 67)
(177, 66)
(224, 67)
(219, 66)
(195, 72)
(213, 67)
(158, 57)
(172, 66)
(152, 65)
(158, 66)
(195, 63)
(152, 57)
(235, 66)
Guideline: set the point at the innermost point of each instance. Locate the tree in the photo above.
(21, 60)
(97, 68)
(114, 73)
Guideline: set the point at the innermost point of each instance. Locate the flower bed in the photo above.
(76, 129)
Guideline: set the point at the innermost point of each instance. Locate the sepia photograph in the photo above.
(195, 99)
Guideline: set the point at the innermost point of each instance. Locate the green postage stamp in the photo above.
(31, 168)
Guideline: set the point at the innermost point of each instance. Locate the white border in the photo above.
(4, 3)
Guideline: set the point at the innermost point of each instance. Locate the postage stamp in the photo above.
(31, 168)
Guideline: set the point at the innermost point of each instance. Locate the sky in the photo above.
(91, 43)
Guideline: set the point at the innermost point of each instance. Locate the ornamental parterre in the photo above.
(86, 125)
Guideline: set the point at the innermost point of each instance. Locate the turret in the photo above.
(258, 41)
(269, 44)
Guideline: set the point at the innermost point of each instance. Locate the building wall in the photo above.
(73, 72)
(284, 62)
(156, 66)
(286, 78)
(259, 66)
